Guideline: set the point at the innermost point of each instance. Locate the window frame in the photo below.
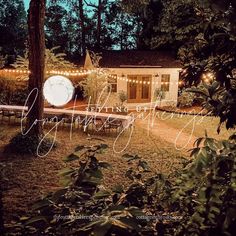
(165, 83)
(113, 82)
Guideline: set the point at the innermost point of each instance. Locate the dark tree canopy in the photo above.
(56, 27)
(13, 27)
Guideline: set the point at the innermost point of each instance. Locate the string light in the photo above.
(208, 77)
(84, 72)
(57, 72)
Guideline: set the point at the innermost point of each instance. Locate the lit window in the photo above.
(165, 82)
(112, 83)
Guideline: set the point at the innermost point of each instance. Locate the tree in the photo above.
(213, 51)
(79, 26)
(105, 25)
(177, 24)
(164, 24)
(2, 61)
(120, 28)
(13, 27)
(82, 25)
(95, 85)
(53, 61)
(36, 66)
(31, 140)
(99, 10)
(56, 27)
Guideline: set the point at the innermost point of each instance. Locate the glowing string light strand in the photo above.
(84, 72)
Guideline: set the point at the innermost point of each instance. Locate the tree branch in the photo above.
(90, 4)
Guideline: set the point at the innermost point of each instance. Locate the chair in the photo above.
(8, 114)
(81, 121)
(98, 124)
(115, 124)
(67, 119)
(53, 118)
(18, 115)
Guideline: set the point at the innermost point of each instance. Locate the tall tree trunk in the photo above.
(36, 65)
(99, 10)
(122, 33)
(82, 19)
(99, 23)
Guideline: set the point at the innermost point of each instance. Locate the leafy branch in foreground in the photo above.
(205, 192)
(212, 52)
(196, 200)
(219, 102)
(85, 207)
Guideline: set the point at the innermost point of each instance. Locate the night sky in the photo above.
(26, 3)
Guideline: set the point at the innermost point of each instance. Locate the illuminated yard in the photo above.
(96, 135)
(25, 179)
(196, 125)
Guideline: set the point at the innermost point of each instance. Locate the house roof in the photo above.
(138, 59)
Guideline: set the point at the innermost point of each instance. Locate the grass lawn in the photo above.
(196, 125)
(27, 178)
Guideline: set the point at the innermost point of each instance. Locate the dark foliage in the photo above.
(29, 145)
(13, 28)
(198, 200)
(213, 52)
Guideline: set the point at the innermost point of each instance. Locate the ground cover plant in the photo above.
(197, 200)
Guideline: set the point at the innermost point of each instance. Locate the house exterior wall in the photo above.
(170, 96)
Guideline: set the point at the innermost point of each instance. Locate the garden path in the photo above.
(180, 140)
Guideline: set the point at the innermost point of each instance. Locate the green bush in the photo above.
(186, 99)
(19, 97)
(205, 191)
(13, 91)
(116, 211)
(29, 144)
(122, 97)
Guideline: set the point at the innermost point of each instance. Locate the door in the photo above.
(139, 88)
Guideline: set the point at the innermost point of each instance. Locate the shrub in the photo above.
(53, 61)
(12, 91)
(95, 88)
(159, 95)
(85, 207)
(19, 97)
(205, 191)
(186, 99)
(122, 97)
(28, 144)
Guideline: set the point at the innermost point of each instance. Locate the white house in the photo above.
(139, 74)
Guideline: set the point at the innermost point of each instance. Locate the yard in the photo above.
(195, 125)
(25, 180)
(82, 77)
